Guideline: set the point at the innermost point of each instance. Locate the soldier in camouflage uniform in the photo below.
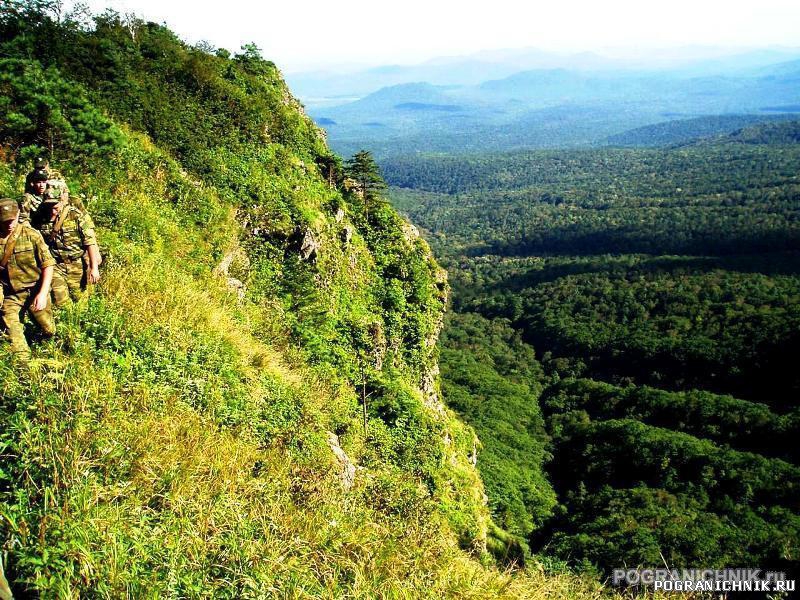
(35, 186)
(26, 271)
(68, 232)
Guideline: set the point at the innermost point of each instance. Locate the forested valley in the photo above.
(624, 339)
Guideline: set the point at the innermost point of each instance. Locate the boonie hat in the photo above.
(40, 172)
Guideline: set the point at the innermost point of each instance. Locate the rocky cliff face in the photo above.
(373, 290)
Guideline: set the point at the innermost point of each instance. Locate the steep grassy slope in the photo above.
(178, 437)
(159, 447)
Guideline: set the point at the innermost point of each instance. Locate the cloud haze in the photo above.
(315, 33)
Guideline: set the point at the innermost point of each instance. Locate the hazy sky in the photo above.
(302, 35)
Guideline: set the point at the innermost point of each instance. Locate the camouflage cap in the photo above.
(38, 175)
(52, 195)
(9, 209)
(56, 186)
(41, 170)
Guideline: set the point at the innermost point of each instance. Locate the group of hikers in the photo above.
(48, 255)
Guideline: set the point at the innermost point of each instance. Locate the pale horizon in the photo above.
(324, 35)
(640, 53)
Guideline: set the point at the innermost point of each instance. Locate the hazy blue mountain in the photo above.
(546, 108)
(753, 62)
(673, 90)
(318, 88)
(331, 87)
(556, 86)
(390, 97)
(790, 70)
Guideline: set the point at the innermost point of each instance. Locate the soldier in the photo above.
(69, 233)
(26, 271)
(35, 186)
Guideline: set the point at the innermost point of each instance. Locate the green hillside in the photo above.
(649, 304)
(197, 427)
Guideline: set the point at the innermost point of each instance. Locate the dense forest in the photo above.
(628, 321)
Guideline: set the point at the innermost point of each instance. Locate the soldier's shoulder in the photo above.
(76, 212)
(30, 231)
(83, 215)
(28, 202)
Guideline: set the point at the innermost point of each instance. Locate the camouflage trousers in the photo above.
(14, 308)
(69, 282)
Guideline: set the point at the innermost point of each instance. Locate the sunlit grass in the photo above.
(162, 446)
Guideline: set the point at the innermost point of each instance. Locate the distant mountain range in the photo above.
(558, 107)
(328, 87)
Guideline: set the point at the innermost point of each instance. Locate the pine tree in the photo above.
(363, 169)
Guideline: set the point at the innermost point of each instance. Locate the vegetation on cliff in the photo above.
(197, 427)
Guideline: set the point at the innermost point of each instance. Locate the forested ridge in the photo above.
(688, 131)
(650, 304)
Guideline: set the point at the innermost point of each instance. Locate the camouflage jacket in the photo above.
(28, 205)
(25, 265)
(76, 233)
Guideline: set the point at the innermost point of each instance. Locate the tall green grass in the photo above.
(160, 447)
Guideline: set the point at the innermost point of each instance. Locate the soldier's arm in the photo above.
(46, 263)
(24, 209)
(41, 299)
(94, 263)
(89, 240)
